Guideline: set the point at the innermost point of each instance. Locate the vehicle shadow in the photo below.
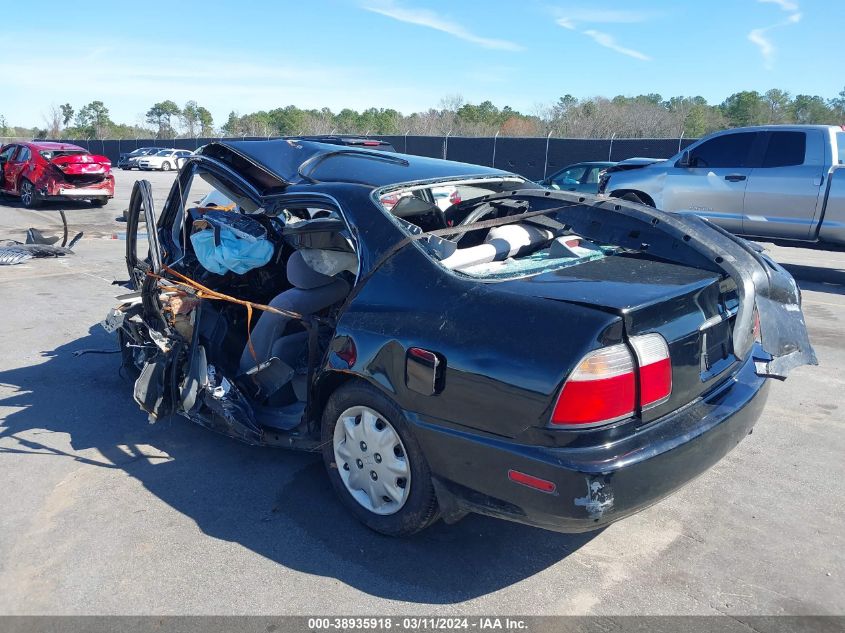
(818, 278)
(277, 503)
(45, 205)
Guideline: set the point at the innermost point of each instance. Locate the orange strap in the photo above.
(207, 293)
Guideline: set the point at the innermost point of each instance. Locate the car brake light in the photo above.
(655, 369)
(601, 389)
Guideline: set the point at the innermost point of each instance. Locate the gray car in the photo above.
(784, 182)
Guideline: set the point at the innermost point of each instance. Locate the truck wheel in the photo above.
(28, 197)
(374, 462)
(165, 166)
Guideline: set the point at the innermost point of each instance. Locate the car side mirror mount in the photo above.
(684, 160)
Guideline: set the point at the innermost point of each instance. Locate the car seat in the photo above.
(312, 292)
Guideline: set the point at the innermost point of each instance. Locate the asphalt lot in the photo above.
(102, 513)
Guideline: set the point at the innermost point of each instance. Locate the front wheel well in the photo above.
(646, 199)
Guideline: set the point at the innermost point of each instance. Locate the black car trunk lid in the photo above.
(693, 309)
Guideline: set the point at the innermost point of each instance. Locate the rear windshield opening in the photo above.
(50, 154)
(515, 249)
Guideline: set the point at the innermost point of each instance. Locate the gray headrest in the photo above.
(302, 276)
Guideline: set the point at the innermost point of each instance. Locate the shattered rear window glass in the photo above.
(533, 264)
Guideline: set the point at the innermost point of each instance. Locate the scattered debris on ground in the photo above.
(37, 245)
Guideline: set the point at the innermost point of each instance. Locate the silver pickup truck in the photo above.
(781, 182)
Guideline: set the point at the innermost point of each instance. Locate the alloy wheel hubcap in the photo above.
(371, 460)
(26, 194)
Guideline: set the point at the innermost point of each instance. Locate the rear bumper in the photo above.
(55, 189)
(594, 486)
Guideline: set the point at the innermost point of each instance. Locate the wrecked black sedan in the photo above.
(544, 357)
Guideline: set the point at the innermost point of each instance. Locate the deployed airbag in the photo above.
(226, 241)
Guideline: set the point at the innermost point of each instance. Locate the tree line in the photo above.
(642, 116)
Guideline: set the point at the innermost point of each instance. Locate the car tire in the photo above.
(359, 424)
(165, 166)
(99, 202)
(29, 198)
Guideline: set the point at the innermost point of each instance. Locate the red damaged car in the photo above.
(42, 170)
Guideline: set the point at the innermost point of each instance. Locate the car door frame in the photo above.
(15, 147)
(583, 165)
(813, 168)
(590, 187)
(724, 177)
(13, 169)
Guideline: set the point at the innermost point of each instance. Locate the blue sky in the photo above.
(408, 54)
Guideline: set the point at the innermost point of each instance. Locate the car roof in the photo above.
(287, 159)
(780, 127)
(52, 145)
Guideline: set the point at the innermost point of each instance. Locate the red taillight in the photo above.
(531, 481)
(603, 387)
(655, 369)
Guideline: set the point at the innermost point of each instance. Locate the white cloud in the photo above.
(608, 41)
(431, 20)
(605, 16)
(767, 49)
(571, 18)
(786, 5)
(763, 42)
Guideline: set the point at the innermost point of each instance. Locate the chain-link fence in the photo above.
(532, 157)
